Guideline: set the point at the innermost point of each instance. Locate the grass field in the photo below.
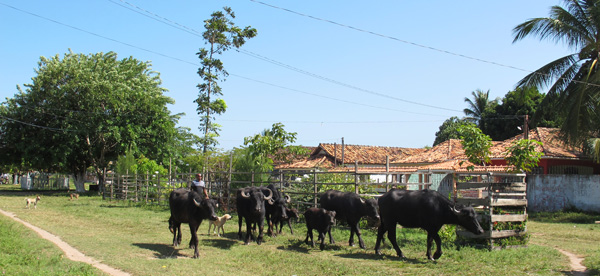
(137, 240)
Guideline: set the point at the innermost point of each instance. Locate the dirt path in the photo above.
(576, 263)
(70, 251)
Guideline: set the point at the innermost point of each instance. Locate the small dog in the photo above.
(32, 201)
(219, 224)
(73, 195)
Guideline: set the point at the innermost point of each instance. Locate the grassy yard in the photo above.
(137, 240)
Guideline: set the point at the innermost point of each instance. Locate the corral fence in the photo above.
(501, 200)
(304, 188)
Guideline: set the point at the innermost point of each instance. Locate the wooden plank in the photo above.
(467, 234)
(508, 218)
(492, 234)
(508, 202)
(507, 233)
(471, 185)
(473, 201)
(509, 194)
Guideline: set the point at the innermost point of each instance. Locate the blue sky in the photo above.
(382, 73)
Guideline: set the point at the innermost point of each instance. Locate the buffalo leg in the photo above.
(391, 229)
(309, 234)
(248, 232)
(176, 234)
(355, 229)
(322, 238)
(290, 225)
(438, 241)
(240, 227)
(194, 241)
(261, 228)
(331, 241)
(380, 232)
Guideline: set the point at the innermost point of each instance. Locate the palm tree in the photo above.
(573, 80)
(477, 106)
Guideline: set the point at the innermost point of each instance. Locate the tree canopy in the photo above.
(573, 80)
(221, 34)
(84, 111)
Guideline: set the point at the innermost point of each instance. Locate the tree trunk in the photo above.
(79, 179)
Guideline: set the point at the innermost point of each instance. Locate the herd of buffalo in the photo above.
(426, 209)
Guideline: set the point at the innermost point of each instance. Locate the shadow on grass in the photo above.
(373, 256)
(220, 243)
(161, 251)
(295, 246)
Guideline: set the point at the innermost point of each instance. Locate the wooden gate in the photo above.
(501, 200)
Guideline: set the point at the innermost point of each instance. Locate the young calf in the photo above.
(320, 219)
(291, 213)
(218, 224)
(32, 201)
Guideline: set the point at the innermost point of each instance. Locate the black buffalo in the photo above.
(352, 208)
(191, 208)
(275, 209)
(321, 220)
(291, 213)
(250, 203)
(424, 209)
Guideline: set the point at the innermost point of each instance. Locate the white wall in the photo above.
(557, 192)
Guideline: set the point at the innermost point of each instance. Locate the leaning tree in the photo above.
(83, 111)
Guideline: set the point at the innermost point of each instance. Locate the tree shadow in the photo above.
(161, 251)
(220, 243)
(295, 246)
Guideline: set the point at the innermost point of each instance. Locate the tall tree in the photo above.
(221, 35)
(573, 80)
(506, 119)
(449, 130)
(477, 105)
(84, 111)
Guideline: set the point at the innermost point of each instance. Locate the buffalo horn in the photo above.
(287, 199)
(271, 201)
(270, 194)
(196, 202)
(244, 194)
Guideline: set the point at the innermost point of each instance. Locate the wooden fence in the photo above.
(303, 188)
(502, 202)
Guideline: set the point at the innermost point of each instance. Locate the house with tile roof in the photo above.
(346, 157)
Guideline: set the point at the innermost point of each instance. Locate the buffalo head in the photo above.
(467, 218)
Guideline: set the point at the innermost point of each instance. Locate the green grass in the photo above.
(137, 240)
(575, 232)
(25, 253)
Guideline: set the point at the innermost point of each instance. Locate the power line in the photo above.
(278, 63)
(416, 44)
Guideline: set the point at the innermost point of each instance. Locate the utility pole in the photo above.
(526, 128)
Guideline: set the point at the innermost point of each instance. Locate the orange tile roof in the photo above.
(365, 154)
(552, 146)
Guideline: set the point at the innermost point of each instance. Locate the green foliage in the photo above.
(478, 106)
(522, 154)
(502, 121)
(126, 164)
(449, 130)
(86, 110)
(476, 144)
(221, 35)
(572, 79)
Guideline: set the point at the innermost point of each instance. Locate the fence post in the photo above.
(356, 177)
(252, 180)
(387, 173)
(147, 186)
(316, 190)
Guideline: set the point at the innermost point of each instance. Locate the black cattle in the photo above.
(191, 208)
(350, 207)
(250, 204)
(291, 213)
(321, 220)
(424, 209)
(275, 209)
